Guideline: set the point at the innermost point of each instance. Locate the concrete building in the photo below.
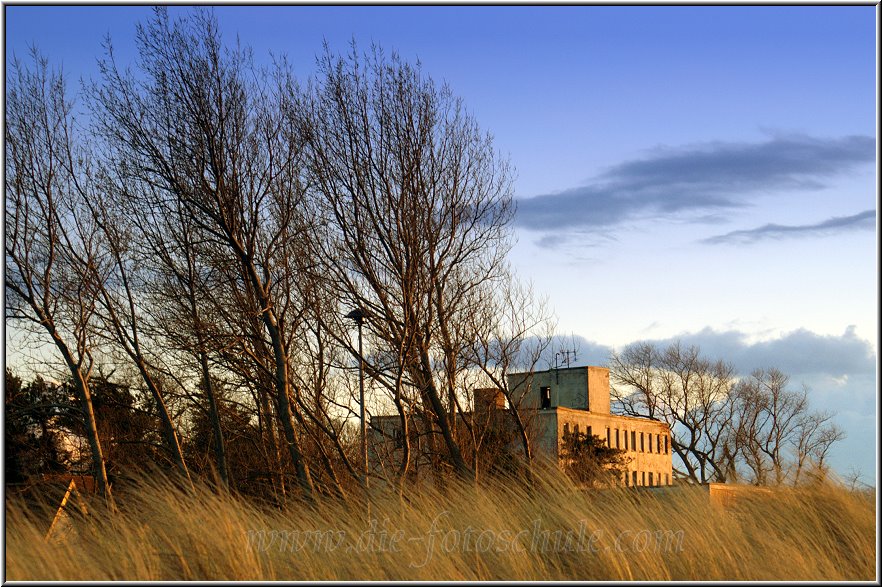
(577, 399)
(555, 404)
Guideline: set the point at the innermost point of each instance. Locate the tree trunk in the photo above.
(220, 453)
(84, 394)
(405, 439)
(431, 393)
(268, 432)
(284, 403)
(168, 427)
(522, 433)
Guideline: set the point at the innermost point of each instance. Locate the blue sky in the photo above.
(702, 173)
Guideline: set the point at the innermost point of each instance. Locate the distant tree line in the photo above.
(724, 428)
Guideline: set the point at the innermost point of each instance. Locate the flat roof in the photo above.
(622, 416)
(553, 369)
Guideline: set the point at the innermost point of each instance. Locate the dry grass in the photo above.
(463, 533)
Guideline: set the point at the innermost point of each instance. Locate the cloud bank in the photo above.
(800, 353)
(704, 179)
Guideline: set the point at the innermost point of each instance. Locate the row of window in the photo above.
(640, 478)
(651, 443)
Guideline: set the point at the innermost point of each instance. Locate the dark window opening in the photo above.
(545, 394)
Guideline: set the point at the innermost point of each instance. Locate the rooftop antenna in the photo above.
(567, 355)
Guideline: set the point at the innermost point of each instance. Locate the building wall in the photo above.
(542, 425)
(598, 390)
(729, 495)
(581, 388)
(580, 401)
(649, 453)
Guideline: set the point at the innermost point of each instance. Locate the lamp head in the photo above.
(358, 315)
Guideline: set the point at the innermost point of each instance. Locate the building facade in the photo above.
(577, 399)
(554, 404)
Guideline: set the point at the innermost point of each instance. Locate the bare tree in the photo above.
(162, 271)
(776, 425)
(416, 206)
(205, 128)
(120, 306)
(772, 418)
(52, 253)
(323, 401)
(814, 435)
(511, 331)
(692, 394)
(633, 374)
(185, 280)
(723, 428)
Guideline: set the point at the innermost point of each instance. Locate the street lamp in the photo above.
(358, 315)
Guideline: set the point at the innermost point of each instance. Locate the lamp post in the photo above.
(358, 315)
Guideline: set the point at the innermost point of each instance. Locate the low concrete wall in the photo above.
(728, 495)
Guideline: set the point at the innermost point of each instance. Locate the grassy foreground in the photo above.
(555, 532)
